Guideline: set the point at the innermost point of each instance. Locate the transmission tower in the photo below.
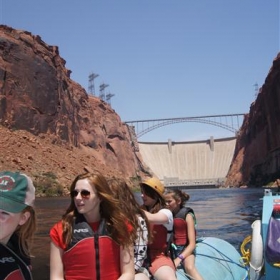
(256, 89)
(91, 88)
(102, 92)
(108, 97)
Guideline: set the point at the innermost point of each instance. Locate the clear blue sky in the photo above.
(161, 58)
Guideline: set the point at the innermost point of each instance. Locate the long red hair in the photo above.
(110, 211)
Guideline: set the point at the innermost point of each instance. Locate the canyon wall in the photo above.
(50, 125)
(257, 155)
(38, 98)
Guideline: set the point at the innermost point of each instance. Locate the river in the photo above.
(223, 213)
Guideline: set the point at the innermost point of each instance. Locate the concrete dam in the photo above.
(190, 164)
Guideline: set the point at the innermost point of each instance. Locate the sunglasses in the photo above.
(84, 193)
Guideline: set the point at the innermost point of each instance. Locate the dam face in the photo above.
(196, 163)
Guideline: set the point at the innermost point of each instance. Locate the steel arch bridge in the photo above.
(231, 122)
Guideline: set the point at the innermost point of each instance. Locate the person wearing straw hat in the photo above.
(160, 264)
(17, 225)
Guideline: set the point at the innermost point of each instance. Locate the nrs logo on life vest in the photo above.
(5, 259)
(81, 230)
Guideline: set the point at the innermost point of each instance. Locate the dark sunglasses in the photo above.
(84, 193)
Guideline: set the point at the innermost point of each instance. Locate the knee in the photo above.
(189, 267)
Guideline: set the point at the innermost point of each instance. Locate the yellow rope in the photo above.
(246, 252)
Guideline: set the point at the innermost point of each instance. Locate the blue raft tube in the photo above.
(216, 259)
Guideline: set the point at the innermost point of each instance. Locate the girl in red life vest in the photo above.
(138, 219)
(161, 220)
(92, 241)
(184, 233)
(17, 225)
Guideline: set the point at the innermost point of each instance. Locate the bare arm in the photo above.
(127, 263)
(192, 241)
(156, 218)
(191, 236)
(56, 265)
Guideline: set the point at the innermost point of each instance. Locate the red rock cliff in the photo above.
(257, 155)
(37, 96)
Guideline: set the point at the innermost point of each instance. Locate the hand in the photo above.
(177, 262)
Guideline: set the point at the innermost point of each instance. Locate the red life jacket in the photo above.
(159, 243)
(91, 255)
(180, 227)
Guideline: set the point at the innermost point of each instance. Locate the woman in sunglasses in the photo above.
(94, 239)
(160, 264)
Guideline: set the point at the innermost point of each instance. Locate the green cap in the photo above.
(16, 191)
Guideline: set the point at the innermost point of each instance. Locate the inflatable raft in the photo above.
(216, 259)
(256, 256)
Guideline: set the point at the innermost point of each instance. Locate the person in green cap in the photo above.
(17, 225)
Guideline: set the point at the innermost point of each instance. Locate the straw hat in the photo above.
(155, 184)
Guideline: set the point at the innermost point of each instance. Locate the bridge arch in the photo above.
(230, 122)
